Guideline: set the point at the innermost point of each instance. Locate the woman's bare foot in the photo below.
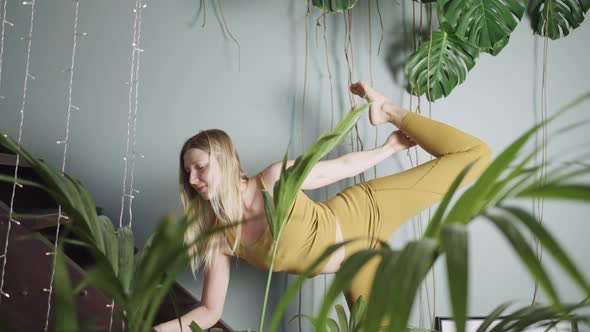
(381, 106)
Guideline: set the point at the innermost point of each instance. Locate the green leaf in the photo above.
(357, 314)
(295, 286)
(65, 318)
(24, 182)
(309, 318)
(498, 46)
(450, 60)
(332, 325)
(269, 210)
(555, 18)
(342, 318)
(526, 254)
(578, 192)
(291, 179)
(126, 256)
(529, 315)
(142, 253)
(550, 244)
(435, 222)
(455, 246)
(493, 316)
(477, 196)
(103, 277)
(175, 268)
(195, 327)
(110, 242)
(166, 252)
(331, 6)
(482, 23)
(377, 311)
(415, 260)
(342, 279)
(87, 207)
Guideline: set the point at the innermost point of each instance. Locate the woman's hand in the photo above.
(399, 141)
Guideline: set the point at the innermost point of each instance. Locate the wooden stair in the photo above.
(28, 267)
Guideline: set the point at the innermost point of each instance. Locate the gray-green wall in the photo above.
(191, 78)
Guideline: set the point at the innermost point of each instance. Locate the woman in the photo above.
(215, 191)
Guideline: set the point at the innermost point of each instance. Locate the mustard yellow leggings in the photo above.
(377, 208)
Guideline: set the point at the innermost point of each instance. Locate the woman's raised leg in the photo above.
(379, 207)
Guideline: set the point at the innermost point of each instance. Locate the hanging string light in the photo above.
(133, 84)
(131, 122)
(64, 142)
(20, 134)
(134, 154)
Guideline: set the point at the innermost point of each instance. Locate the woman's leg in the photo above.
(377, 208)
(401, 196)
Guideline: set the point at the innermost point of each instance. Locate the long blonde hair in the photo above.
(225, 204)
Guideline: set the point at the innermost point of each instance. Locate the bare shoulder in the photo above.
(271, 174)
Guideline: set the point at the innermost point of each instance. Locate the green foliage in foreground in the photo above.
(136, 282)
(138, 285)
(509, 177)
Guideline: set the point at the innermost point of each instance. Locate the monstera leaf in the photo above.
(555, 18)
(450, 60)
(483, 23)
(331, 6)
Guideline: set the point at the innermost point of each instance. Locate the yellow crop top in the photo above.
(308, 230)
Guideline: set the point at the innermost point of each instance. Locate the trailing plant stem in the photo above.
(268, 279)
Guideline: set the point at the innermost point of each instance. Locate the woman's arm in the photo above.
(213, 298)
(329, 171)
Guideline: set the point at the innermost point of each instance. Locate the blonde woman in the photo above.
(215, 191)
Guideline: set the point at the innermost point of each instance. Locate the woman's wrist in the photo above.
(389, 148)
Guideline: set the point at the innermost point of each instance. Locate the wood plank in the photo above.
(10, 160)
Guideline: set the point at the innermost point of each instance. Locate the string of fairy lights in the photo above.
(3, 3)
(131, 127)
(15, 184)
(64, 142)
(132, 112)
(134, 153)
(130, 191)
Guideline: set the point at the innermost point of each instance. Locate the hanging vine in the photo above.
(539, 203)
(204, 14)
(230, 34)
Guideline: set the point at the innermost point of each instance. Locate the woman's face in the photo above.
(196, 166)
